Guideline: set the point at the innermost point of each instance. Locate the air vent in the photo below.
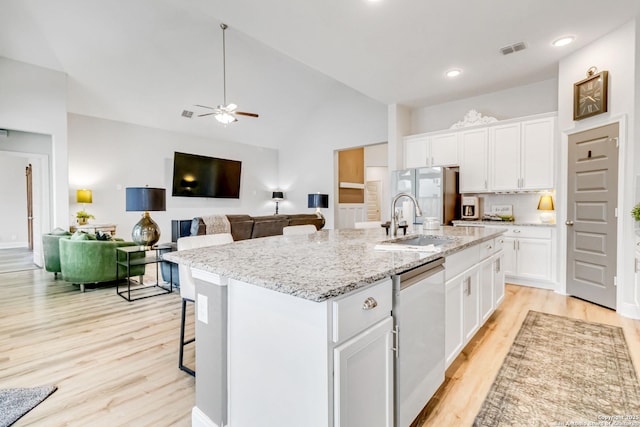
(516, 47)
(4, 133)
(186, 113)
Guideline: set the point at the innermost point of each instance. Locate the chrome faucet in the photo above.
(393, 228)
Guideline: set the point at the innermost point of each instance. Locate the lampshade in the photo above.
(318, 200)
(546, 203)
(277, 195)
(142, 199)
(84, 196)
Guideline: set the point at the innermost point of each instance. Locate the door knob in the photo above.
(568, 222)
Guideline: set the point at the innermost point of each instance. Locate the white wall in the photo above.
(536, 98)
(618, 53)
(34, 99)
(13, 227)
(108, 156)
(344, 119)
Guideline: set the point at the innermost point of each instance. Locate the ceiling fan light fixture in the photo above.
(455, 72)
(225, 118)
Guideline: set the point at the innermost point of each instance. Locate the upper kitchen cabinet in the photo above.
(473, 164)
(521, 155)
(431, 150)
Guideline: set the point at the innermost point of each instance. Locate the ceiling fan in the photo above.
(225, 113)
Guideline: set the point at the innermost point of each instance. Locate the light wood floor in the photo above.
(470, 376)
(115, 362)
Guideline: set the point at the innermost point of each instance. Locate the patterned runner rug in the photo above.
(15, 402)
(563, 372)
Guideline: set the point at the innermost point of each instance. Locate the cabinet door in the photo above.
(486, 289)
(453, 338)
(363, 378)
(509, 259)
(471, 304)
(416, 152)
(473, 165)
(498, 280)
(504, 163)
(533, 258)
(537, 154)
(444, 150)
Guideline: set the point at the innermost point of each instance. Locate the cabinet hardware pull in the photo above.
(396, 340)
(369, 303)
(568, 222)
(467, 290)
(489, 247)
(498, 265)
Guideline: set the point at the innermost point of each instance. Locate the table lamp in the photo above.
(545, 205)
(318, 201)
(144, 199)
(83, 196)
(277, 196)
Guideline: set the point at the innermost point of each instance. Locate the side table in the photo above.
(126, 258)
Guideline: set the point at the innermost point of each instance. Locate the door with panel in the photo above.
(592, 188)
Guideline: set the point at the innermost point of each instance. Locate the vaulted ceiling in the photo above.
(144, 61)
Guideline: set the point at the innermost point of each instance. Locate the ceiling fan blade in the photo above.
(206, 114)
(204, 106)
(243, 113)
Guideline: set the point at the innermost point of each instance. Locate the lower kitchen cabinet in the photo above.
(363, 378)
(472, 295)
(529, 256)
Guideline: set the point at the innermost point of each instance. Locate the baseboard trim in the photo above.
(14, 245)
(200, 419)
(631, 311)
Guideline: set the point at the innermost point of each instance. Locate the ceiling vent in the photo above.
(4, 133)
(186, 113)
(516, 47)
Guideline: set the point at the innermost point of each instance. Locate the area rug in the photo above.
(562, 371)
(15, 402)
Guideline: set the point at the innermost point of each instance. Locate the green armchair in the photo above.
(93, 261)
(51, 250)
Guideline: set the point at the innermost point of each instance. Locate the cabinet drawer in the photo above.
(358, 311)
(531, 232)
(461, 261)
(487, 248)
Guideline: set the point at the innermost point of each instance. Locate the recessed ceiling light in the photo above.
(563, 41)
(453, 73)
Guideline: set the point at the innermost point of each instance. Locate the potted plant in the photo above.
(83, 217)
(635, 212)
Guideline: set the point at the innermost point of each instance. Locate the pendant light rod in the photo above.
(224, 65)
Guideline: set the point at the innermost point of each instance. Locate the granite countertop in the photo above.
(321, 265)
(502, 223)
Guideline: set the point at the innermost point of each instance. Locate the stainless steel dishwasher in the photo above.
(418, 312)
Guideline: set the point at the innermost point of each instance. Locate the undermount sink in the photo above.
(426, 243)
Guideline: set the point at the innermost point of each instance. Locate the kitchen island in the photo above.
(289, 312)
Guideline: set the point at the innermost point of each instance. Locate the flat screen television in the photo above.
(202, 176)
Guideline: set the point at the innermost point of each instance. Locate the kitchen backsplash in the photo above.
(525, 205)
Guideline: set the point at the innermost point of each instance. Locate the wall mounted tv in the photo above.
(202, 176)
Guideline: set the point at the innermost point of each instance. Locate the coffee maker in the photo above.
(470, 207)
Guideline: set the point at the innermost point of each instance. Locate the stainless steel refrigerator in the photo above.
(436, 190)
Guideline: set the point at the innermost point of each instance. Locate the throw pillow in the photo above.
(102, 236)
(60, 232)
(81, 235)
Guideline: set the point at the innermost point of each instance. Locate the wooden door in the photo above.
(29, 177)
(591, 215)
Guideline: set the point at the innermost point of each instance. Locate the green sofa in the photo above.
(51, 250)
(93, 261)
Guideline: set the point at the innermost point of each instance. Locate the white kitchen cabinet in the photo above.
(428, 151)
(486, 289)
(473, 163)
(529, 256)
(498, 279)
(444, 149)
(474, 288)
(504, 149)
(538, 137)
(416, 151)
(471, 304)
(363, 378)
(336, 353)
(453, 336)
(521, 155)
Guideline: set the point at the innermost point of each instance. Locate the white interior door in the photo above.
(372, 196)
